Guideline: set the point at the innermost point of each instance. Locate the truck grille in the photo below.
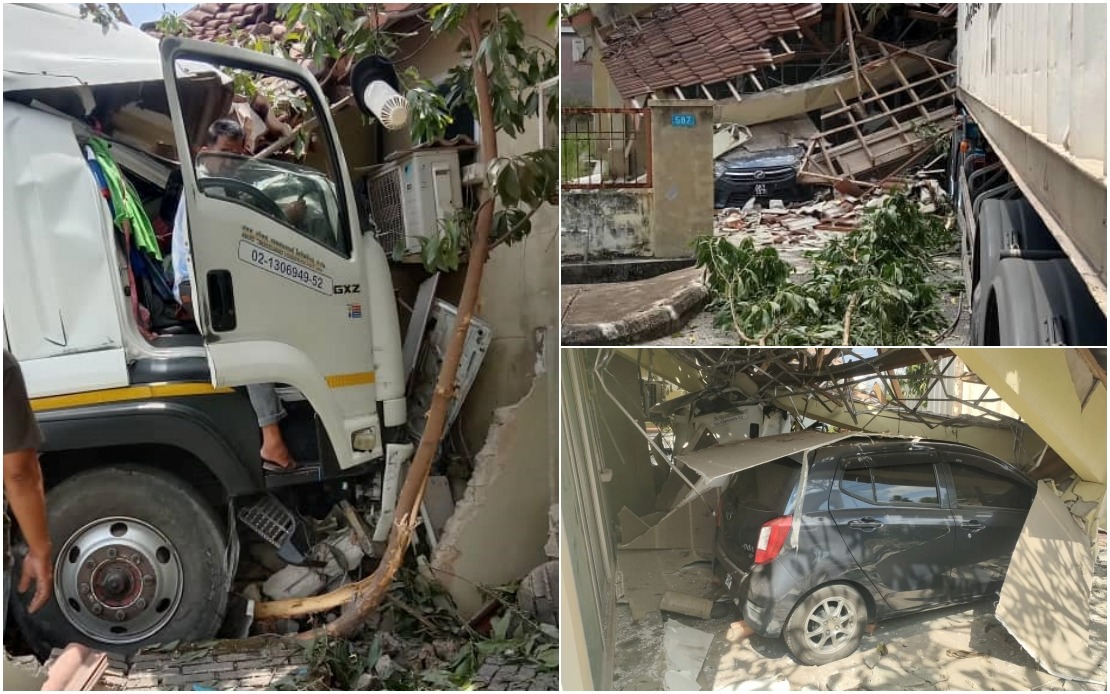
(777, 174)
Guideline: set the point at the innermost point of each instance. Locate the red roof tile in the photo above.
(689, 44)
(219, 20)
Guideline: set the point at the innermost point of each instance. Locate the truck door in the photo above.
(278, 284)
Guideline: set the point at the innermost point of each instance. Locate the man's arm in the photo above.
(23, 483)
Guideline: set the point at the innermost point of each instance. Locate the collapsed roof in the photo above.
(682, 44)
(869, 391)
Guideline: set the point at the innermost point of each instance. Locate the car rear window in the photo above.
(899, 484)
(975, 487)
(767, 487)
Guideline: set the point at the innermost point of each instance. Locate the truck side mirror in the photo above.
(375, 85)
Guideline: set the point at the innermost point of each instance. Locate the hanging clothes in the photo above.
(124, 201)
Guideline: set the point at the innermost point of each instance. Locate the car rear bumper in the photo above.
(733, 579)
(765, 595)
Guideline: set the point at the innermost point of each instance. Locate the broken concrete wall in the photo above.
(520, 285)
(606, 224)
(497, 533)
(1086, 501)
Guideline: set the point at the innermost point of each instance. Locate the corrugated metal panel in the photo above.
(1042, 67)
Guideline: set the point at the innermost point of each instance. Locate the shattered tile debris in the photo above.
(809, 226)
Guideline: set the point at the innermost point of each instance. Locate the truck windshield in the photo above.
(290, 193)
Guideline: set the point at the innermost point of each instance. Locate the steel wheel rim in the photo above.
(830, 625)
(118, 580)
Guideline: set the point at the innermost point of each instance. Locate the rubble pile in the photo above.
(810, 225)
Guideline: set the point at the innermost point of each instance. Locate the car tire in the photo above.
(140, 559)
(827, 625)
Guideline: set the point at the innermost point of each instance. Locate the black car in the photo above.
(884, 529)
(740, 175)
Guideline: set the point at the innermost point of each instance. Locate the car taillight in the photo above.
(772, 536)
(720, 501)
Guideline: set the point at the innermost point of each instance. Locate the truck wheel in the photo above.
(139, 560)
(827, 625)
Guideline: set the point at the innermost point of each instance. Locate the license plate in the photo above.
(760, 188)
(728, 582)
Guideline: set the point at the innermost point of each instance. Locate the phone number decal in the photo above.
(282, 267)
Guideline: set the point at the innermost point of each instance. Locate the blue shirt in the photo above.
(180, 248)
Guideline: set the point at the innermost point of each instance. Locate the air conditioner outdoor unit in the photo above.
(409, 197)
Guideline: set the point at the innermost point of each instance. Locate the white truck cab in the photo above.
(151, 449)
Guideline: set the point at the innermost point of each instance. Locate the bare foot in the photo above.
(274, 449)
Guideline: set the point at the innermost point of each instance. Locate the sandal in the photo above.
(271, 466)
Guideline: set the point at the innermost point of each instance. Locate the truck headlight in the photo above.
(718, 169)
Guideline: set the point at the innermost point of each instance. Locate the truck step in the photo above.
(305, 473)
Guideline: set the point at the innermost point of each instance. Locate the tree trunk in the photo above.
(367, 594)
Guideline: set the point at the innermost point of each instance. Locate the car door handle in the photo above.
(972, 526)
(866, 524)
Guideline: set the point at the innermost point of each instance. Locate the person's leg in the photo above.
(268, 409)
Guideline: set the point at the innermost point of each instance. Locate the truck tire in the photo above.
(139, 560)
(1039, 302)
(826, 625)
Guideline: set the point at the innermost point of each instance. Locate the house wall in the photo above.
(588, 598)
(519, 300)
(606, 224)
(605, 93)
(575, 78)
(623, 449)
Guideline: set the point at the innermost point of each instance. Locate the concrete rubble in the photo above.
(809, 226)
(685, 650)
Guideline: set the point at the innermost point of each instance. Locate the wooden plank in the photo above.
(882, 102)
(880, 116)
(852, 122)
(852, 45)
(892, 92)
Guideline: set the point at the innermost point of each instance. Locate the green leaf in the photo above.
(508, 185)
(500, 625)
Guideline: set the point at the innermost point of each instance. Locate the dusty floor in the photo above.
(957, 648)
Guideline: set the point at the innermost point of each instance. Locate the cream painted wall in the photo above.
(520, 282)
(516, 480)
(1039, 385)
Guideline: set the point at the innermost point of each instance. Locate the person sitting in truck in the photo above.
(226, 135)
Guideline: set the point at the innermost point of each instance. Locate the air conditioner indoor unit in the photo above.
(409, 197)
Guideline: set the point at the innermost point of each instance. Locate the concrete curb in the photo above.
(660, 319)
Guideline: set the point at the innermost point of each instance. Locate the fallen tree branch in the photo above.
(305, 125)
(848, 319)
(363, 597)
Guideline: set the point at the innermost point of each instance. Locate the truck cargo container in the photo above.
(1028, 171)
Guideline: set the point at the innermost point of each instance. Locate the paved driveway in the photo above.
(959, 648)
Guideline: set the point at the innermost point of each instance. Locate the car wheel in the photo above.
(140, 559)
(827, 625)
